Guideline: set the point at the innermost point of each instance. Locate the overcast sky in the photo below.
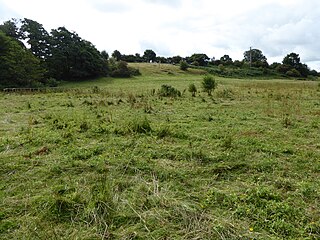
(184, 27)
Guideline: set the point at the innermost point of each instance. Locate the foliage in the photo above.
(73, 58)
(11, 29)
(184, 65)
(200, 59)
(18, 66)
(226, 59)
(122, 70)
(293, 73)
(149, 55)
(37, 37)
(209, 84)
(293, 60)
(176, 59)
(256, 57)
(62, 53)
(117, 55)
(193, 89)
(168, 91)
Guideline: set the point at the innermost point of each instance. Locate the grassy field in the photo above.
(111, 159)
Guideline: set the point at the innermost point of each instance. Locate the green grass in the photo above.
(121, 162)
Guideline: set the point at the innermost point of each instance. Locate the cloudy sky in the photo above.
(184, 27)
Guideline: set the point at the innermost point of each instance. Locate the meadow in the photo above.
(111, 159)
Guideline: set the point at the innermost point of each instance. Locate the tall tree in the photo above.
(18, 66)
(117, 55)
(255, 57)
(200, 59)
(11, 29)
(149, 55)
(73, 58)
(37, 37)
(226, 59)
(293, 60)
(176, 59)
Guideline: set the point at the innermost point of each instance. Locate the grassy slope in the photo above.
(242, 164)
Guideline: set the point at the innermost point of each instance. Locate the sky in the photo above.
(184, 27)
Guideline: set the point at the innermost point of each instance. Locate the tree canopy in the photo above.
(18, 66)
(63, 54)
(149, 55)
(255, 57)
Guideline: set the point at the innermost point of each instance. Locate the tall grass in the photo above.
(120, 162)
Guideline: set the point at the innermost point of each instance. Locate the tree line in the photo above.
(291, 65)
(31, 56)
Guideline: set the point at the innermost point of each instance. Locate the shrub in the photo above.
(293, 73)
(209, 84)
(52, 82)
(121, 70)
(169, 91)
(192, 88)
(184, 65)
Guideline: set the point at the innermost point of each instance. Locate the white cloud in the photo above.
(176, 27)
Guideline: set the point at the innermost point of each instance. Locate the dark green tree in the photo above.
(37, 37)
(226, 59)
(18, 66)
(117, 55)
(255, 57)
(176, 59)
(199, 58)
(11, 29)
(293, 60)
(149, 55)
(72, 58)
(105, 55)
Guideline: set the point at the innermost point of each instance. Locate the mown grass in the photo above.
(118, 161)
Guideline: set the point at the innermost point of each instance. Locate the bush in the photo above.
(169, 91)
(293, 73)
(184, 65)
(121, 70)
(192, 88)
(52, 82)
(209, 84)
